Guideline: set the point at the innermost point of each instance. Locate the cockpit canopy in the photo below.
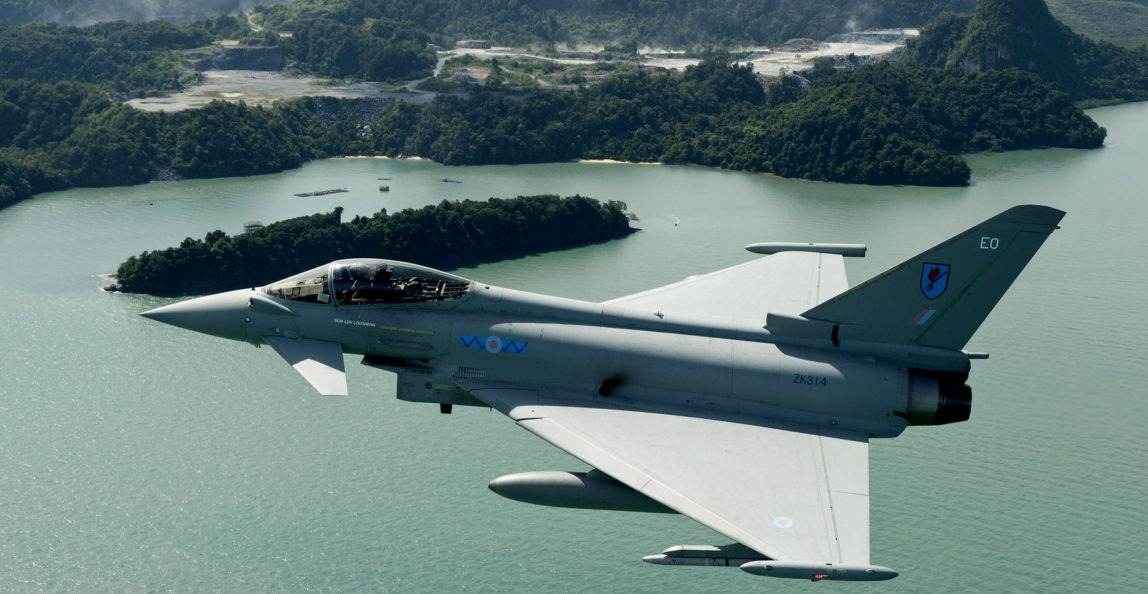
(310, 286)
(367, 281)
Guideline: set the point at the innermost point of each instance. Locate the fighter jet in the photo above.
(744, 398)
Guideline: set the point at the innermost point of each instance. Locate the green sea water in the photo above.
(135, 457)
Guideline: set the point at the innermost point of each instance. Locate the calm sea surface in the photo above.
(135, 457)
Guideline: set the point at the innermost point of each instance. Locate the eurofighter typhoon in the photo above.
(743, 398)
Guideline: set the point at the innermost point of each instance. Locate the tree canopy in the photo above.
(1023, 34)
(656, 23)
(445, 235)
(1003, 78)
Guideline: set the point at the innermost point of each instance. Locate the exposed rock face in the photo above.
(1003, 34)
(1020, 33)
(241, 57)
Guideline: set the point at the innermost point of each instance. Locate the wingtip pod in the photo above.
(819, 571)
(848, 250)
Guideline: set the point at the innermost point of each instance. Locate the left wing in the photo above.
(788, 491)
(785, 283)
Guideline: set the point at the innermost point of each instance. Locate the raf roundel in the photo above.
(783, 522)
(493, 344)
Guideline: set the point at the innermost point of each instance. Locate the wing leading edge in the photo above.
(787, 491)
(785, 283)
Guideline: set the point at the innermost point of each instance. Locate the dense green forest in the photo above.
(446, 235)
(1023, 34)
(386, 40)
(122, 58)
(1003, 78)
(881, 124)
(86, 12)
(678, 23)
(1122, 22)
(379, 49)
(68, 134)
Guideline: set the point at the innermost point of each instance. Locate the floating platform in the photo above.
(321, 192)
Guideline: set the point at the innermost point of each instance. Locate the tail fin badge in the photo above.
(934, 279)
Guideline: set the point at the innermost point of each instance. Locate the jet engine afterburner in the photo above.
(937, 397)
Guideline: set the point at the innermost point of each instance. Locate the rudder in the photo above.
(940, 297)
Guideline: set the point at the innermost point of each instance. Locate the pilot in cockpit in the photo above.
(382, 275)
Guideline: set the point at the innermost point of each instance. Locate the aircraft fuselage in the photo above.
(494, 334)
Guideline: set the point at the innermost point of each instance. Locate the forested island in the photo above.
(1007, 76)
(446, 235)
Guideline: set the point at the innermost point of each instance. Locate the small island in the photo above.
(446, 235)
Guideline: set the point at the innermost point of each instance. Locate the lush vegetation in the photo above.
(83, 12)
(880, 125)
(620, 24)
(122, 58)
(680, 23)
(379, 49)
(1023, 34)
(61, 135)
(1003, 78)
(1123, 22)
(448, 235)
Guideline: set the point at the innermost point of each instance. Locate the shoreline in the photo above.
(600, 162)
(380, 157)
(617, 162)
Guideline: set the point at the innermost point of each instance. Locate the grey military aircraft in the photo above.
(743, 398)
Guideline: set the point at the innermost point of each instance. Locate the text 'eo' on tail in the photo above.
(940, 297)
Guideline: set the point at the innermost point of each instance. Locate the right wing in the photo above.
(787, 491)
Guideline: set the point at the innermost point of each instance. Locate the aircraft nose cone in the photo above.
(222, 314)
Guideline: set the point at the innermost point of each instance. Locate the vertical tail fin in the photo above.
(940, 297)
